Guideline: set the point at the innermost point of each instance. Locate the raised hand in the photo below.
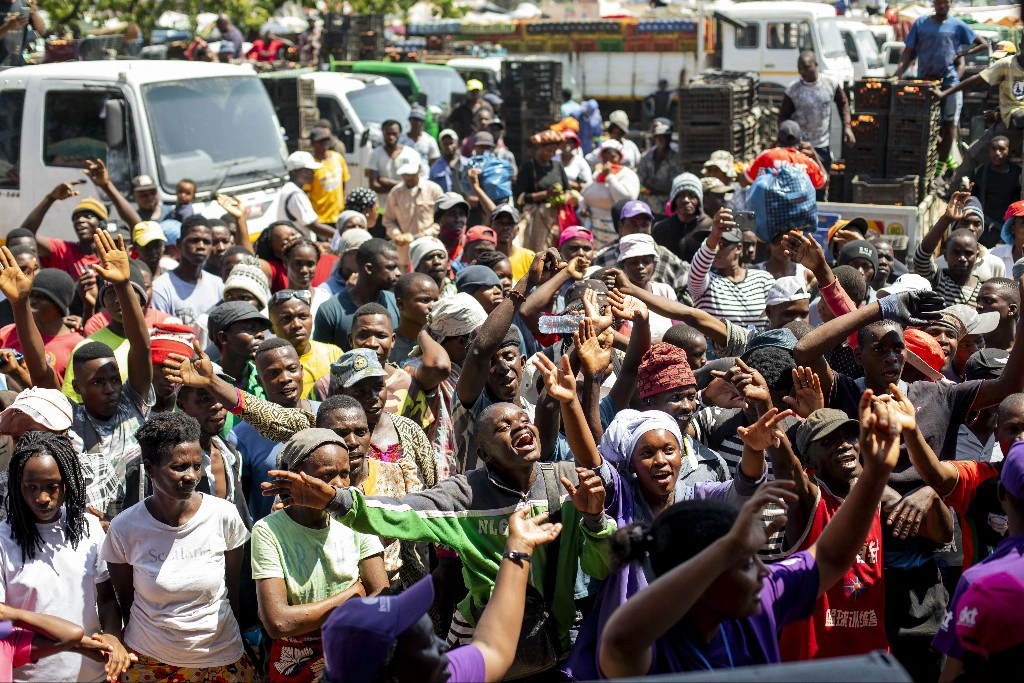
(589, 497)
(807, 396)
(749, 533)
(916, 308)
(97, 173)
(614, 278)
(527, 533)
(64, 191)
(232, 206)
(560, 383)
(594, 350)
(9, 361)
(114, 267)
(723, 221)
(578, 267)
(901, 409)
(879, 435)
(749, 383)
(198, 373)
(545, 264)
(14, 283)
(958, 204)
(592, 309)
(803, 249)
(627, 307)
(298, 489)
(721, 393)
(765, 433)
(87, 289)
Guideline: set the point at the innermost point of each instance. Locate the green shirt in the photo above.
(250, 384)
(120, 346)
(314, 563)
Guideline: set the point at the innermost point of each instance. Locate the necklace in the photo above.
(702, 658)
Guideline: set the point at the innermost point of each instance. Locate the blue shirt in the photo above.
(441, 173)
(936, 45)
(333, 319)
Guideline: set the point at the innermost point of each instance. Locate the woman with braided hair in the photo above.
(270, 247)
(50, 560)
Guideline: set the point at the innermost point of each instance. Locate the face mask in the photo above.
(452, 233)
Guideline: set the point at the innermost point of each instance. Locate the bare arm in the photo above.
(843, 104)
(906, 58)
(286, 621)
(705, 323)
(810, 351)
(379, 184)
(478, 359)
(539, 301)
(629, 635)
(993, 391)
(36, 216)
(233, 207)
(639, 343)
(233, 576)
(786, 109)
(497, 632)
(122, 578)
(17, 287)
(114, 269)
(436, 365)
(967, 84)
(560, 385)
(52, 634)
(97, 173)
(486, 203)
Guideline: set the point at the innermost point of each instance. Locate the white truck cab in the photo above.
(861, 48)
(170, 120)
(357, 105)
(767, 37)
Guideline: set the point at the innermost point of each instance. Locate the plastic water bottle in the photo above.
(560, 324)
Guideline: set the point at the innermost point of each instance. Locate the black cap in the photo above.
(986, 364)
(228, 313)
(56, 285)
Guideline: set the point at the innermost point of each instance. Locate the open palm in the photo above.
(114, 267)
(560, 382)
(764, 433)
(14, 283)
(198, 373)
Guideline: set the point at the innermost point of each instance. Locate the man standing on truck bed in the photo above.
(15, 18)
(937, 41)
(808, 101)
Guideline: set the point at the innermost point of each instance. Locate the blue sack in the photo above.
(495, 176)
(782, 199)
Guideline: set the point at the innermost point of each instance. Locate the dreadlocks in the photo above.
(20, 517)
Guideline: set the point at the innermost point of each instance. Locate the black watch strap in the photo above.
(516, 556)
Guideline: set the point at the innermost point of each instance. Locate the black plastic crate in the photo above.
(899, 191)
(737, 138)
(914, 132)
(914, 98)
(870, 129)
(865, 159)
(872, 96)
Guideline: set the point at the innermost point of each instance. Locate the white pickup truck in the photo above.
(167, 119)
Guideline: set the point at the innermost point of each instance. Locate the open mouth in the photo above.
(662, 476)
(848, 460)
(891, 372)
(522, 439)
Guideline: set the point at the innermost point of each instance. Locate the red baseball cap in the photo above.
(924, 353)
(481, 232)
(575, 231)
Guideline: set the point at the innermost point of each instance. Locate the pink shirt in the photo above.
(15, 651)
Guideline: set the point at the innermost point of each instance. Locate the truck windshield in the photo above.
(831, 40)
(377, 103)
(439, 85)
(216, 131)
(869, 49)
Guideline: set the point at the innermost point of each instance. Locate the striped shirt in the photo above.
(716, 428)
(952, 293)
(742, 303)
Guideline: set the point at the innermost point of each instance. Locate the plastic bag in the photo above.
(495, 176)
(782, 199)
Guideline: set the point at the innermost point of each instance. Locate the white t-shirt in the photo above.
(185, 300)
(425, 145)
(181, 614)
(295, 206)
(381, 162)
(59, 581)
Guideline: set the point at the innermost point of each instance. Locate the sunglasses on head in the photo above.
(303, 295)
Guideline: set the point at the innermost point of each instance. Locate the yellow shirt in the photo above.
(520, 259)
(120, 346)
(1009, 76)
(327, 191)
(317, 363)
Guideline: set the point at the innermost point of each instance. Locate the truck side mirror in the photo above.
(114, 116)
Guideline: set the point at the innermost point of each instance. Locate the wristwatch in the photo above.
(516, 556)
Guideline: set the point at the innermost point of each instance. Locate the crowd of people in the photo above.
(552, 418)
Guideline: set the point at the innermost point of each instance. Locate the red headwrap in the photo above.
(664, 367)
(1013, 210)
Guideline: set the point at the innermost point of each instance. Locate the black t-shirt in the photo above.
(682, 239)
(996, 191)
(941, 409)
(533, 177)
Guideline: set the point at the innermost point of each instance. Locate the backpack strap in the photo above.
(552, 489)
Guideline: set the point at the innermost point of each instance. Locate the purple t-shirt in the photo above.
(1008, 557)
(466, 665)
(789, 595)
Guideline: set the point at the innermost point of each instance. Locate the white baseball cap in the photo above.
(908, 282)
(407, 166)
(301, 160)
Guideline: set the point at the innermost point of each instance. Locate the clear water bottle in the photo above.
(560, 324)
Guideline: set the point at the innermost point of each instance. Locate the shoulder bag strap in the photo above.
(552, 489)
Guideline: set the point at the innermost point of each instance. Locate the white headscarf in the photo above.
(344, 218)
(625, 431)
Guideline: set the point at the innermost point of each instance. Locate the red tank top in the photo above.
(849, 619)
